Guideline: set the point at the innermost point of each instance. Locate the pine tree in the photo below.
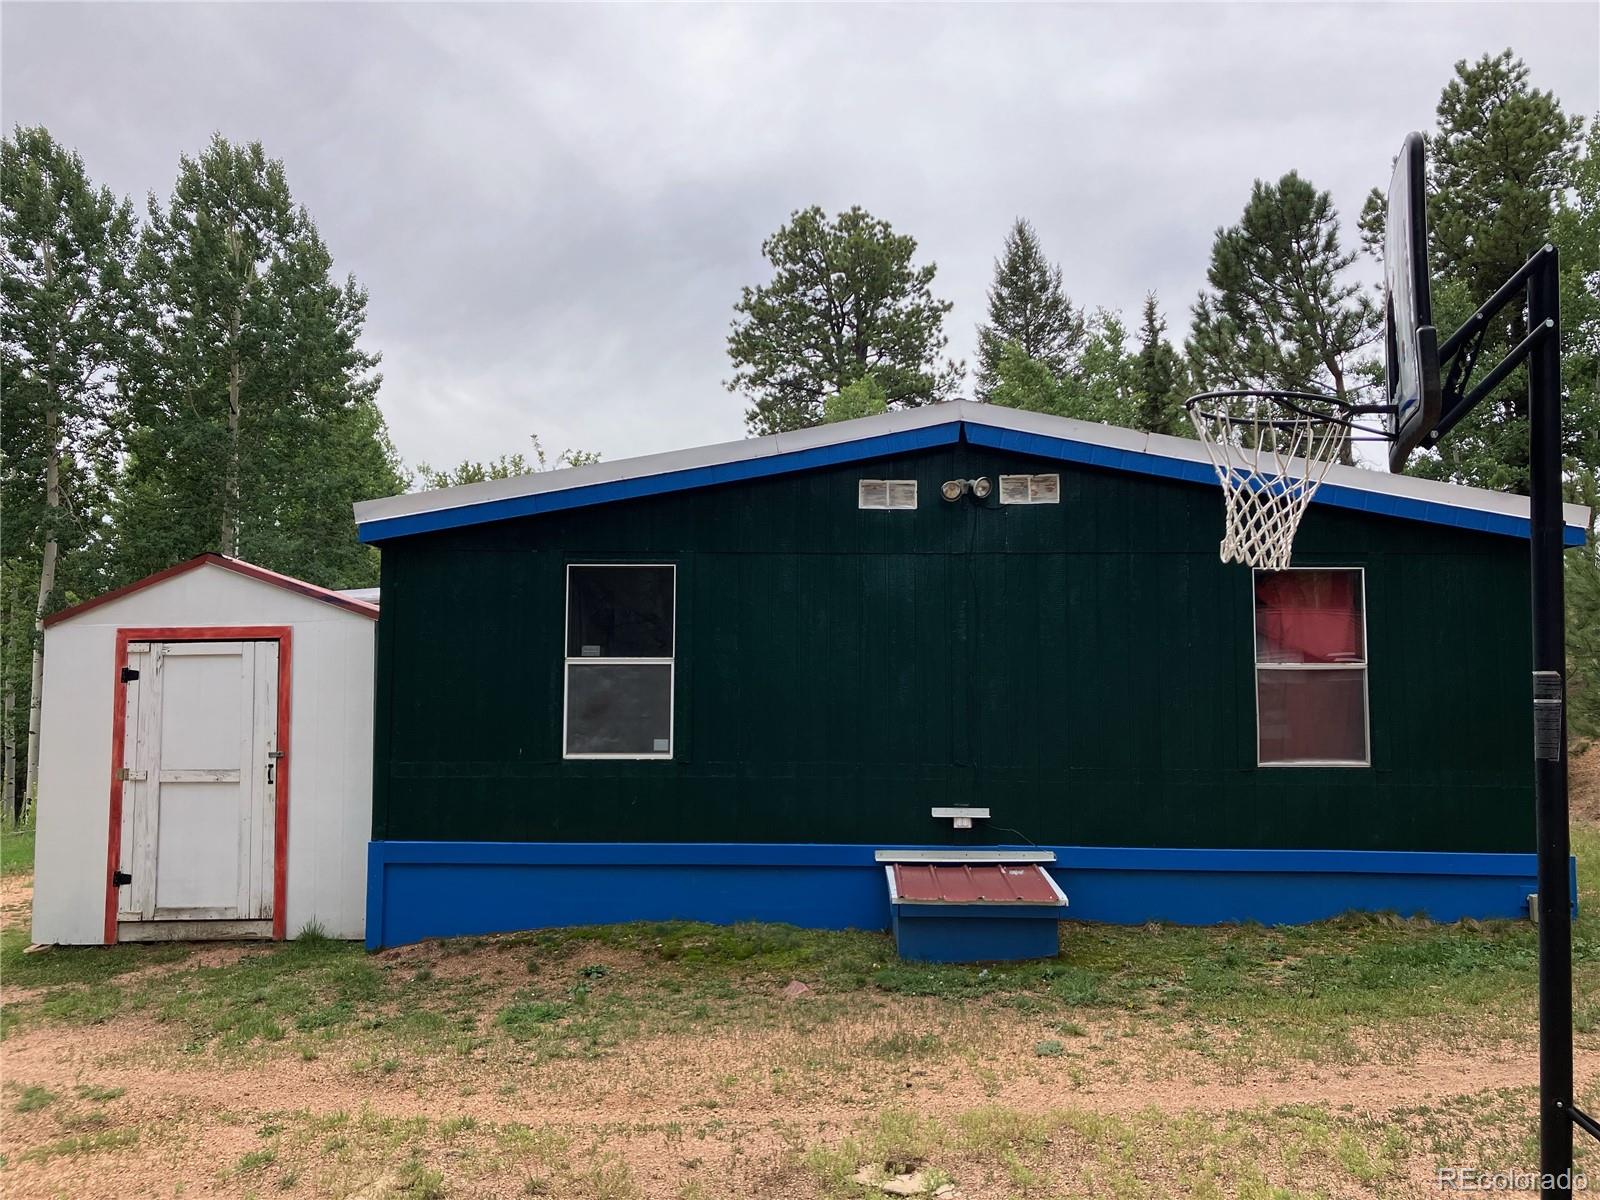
(256, 420)
(1498, 166)
(1498, 163)
(1281, 311)
(1158, 376)
(62, 324)
(1583, 641)
(1101, 386)
(845, 301)
(1575, 230)
(1028, 308)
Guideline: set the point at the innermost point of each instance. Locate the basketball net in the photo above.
(1271, 458)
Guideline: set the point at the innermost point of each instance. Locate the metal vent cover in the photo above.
(1030, 489)
(886, 493)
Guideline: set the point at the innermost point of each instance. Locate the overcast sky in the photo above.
(554, 208)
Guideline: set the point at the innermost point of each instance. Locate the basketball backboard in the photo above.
(1412, 341)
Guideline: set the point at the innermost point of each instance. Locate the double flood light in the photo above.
(952, 490)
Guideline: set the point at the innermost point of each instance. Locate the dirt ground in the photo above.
(784, 1109)
(644, 1107)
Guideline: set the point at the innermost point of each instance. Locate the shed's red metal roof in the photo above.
(973, 883)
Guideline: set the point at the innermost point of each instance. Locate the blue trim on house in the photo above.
(884, 445)
(655, 485)
(1337, 495)
(419, 890)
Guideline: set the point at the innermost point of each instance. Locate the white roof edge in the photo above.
(1113, 437)
(715, 455)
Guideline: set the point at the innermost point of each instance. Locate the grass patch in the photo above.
(16, 851)
(525, 1019)
(836, 960)
(33, 1099)
(308, 984)
(1306, 989)
(62, 965)
(903, 1044)
(83, 1143)
(1245, 993)
(257, 1160)
(1264, 1152)
(88, 1091)
(418, 1182)
(1303, 989)
(82, 1005)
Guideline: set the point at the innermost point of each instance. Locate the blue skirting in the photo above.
(960, 933)
(418, 890)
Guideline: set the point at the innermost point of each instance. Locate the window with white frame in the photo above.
(619, 660)
(1311, 667)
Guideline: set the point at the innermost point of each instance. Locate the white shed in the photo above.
(205, 760)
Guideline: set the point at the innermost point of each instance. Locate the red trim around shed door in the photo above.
(284, 636)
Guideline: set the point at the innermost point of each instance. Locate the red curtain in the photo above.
(1316, 715)
(1309, 616)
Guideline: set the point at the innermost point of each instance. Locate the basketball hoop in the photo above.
(1271, 449)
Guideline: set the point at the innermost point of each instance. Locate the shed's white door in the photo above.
(200, 747)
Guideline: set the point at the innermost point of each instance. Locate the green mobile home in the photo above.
(712, 684)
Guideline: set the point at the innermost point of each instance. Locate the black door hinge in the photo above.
(129, 674)
(120, 879)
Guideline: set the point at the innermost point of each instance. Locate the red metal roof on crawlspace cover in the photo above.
(976, 883)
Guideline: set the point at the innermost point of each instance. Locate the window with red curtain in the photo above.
(1311, 667)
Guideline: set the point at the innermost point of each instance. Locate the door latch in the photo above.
(120, 879)
(272, 763)
(129, 775)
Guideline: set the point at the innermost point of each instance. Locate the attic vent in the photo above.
(1030, 489)
(886, 493)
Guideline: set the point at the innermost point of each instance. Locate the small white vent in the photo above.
(886, 493)
(1030, 489)
(1013, 489)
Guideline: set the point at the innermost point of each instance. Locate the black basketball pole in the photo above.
(1550, 729)
(1541, 350)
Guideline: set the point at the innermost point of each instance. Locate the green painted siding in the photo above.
(1083, 669)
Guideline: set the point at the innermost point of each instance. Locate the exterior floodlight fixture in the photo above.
(953, 489)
